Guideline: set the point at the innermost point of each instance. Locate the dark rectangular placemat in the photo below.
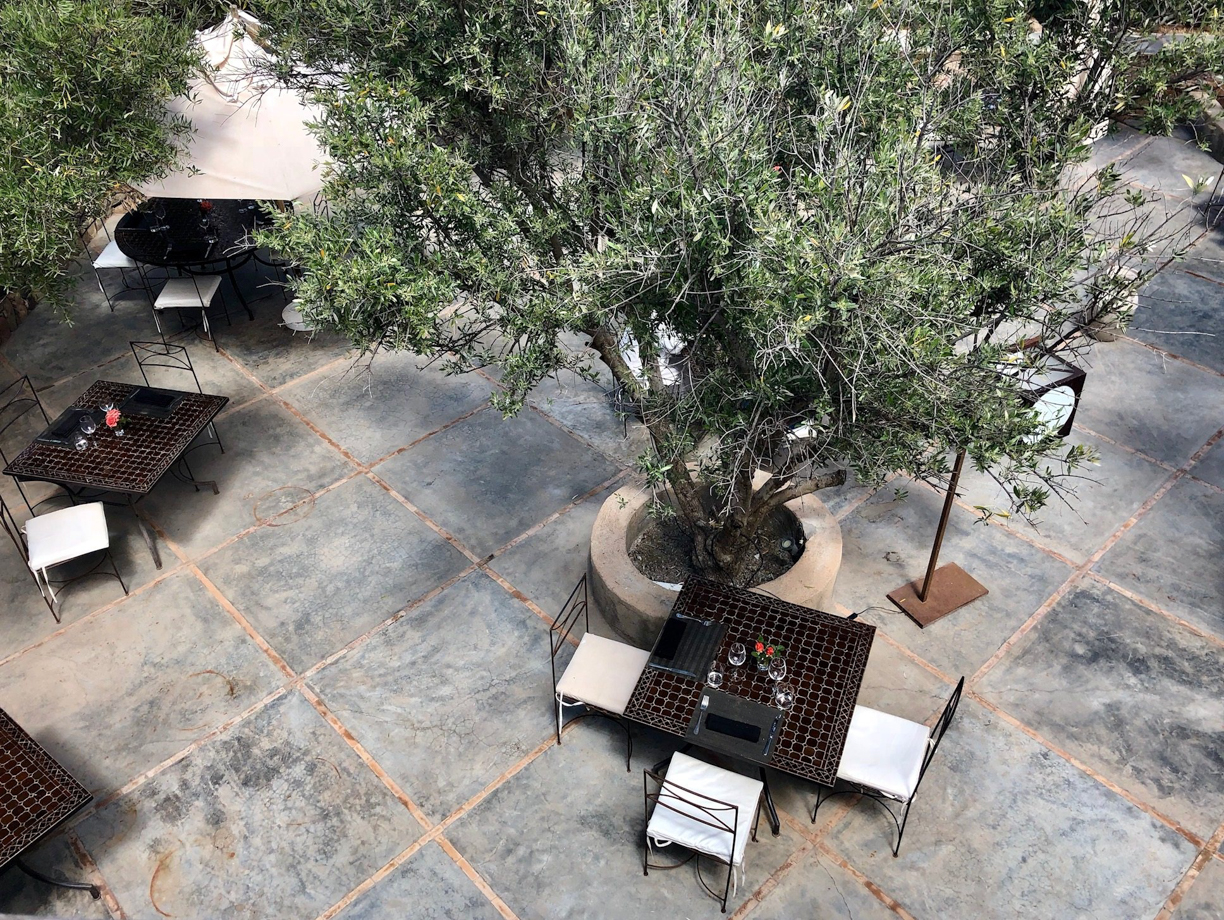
(733, 718)
(60, 431)
(152, 401)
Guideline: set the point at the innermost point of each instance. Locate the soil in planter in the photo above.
(663, 553)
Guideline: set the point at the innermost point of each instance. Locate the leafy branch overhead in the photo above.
(803, 239)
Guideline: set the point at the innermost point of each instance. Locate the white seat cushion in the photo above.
(884, 752)
(186, 293)
(66, 534)
(678, 816)
(113, 257)
(603, 673)
(293, 320)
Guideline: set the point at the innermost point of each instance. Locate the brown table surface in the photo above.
(132, 463)
(36, 793)
(826, 656)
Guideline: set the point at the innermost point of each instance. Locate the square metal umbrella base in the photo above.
(951, 588)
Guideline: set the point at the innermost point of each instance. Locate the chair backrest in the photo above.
(937, 733)
(16, 399)
(163, 354)
(559, 632)
(13, 529)
(693, 805)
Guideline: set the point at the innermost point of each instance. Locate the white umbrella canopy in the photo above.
(250, 138)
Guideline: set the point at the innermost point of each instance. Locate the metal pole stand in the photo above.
(59, 883)
(944, 589)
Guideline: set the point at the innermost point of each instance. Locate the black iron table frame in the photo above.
(89, 492)
(838, 648)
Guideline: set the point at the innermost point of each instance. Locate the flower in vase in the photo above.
(112, 418)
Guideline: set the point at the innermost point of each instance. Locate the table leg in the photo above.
(77, 886)
(771, 812)
(229, 268)
(150, 540)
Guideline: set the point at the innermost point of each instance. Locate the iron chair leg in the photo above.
(76, 886)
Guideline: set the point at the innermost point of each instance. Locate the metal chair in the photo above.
(17, 399)
(112, 258)
(601, 674)
(194, 292)
(174, 357)
(885, 758)
(705, 809)
(49, 540)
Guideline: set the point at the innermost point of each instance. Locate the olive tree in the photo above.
(804, 238)
(83, 92)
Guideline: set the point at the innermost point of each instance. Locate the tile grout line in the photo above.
(882, 896)
(1172, 356)
(476, 879)
(245, 624)
(1109, 784)
(90, 865)
(1201, 859)
(1077, 575)
(558, 424)
(1125, 447)
(141, 778)
(767, 887)
(366, 757)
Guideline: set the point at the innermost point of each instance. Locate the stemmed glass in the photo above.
(79, 441)
(783, 695)
(777, 669)
(88, 426)
(714, 678)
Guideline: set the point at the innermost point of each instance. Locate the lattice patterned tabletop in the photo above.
(36, 793)
(825, 655)
(132, 463)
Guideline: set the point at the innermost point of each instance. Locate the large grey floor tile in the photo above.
(582, 406)
(563, 838)
(1102, 496)
(23, 896)
(1211, 467)
(311, 586)
(429, 886)
(1003, 828)
(1149, 402)
(488, 479)
(819, 887)
(271, 352)
(266, 449)
(886, 543)
(451, 695)
(1130, 693)
(1172, 556)
(547, 565)
(1205, 899)
(47, 349)
(1163, 162)
(1184, 315)
(278, 817)
(373, 408)
(122, 692)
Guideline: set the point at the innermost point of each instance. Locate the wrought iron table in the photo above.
(826, 656)
(197, 237)
(130, 465)
(36, 795)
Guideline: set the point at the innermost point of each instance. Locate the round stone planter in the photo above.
(635, 606)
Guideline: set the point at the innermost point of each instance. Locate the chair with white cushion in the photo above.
(112, 258)
(705, 809)
(51, 539)
(601, 674)
(194, 292)
(886, 756)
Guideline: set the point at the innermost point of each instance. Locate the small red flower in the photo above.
(112, 418)
(769, 651)
(760, 646)
(206, 205)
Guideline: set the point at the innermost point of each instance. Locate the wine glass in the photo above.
(714, 678)
(783, 695)
(106, 405)
(79, 441)
(777, 668)
(737, 654)
(88, 425)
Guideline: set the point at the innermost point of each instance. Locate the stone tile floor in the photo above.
(333, 700)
